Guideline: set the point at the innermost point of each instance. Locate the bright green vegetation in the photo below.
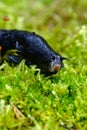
(38, 102)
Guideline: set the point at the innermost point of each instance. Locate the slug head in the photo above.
(56, 63)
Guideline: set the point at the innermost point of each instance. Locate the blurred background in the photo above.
(58, 21)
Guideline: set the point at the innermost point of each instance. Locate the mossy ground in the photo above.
(30, 101)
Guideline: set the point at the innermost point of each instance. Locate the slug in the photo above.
(16, 45)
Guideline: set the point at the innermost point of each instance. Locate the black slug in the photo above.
(17, 45)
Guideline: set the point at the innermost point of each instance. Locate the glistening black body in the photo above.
(34, 49)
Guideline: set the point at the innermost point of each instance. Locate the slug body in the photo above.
(30, 47)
